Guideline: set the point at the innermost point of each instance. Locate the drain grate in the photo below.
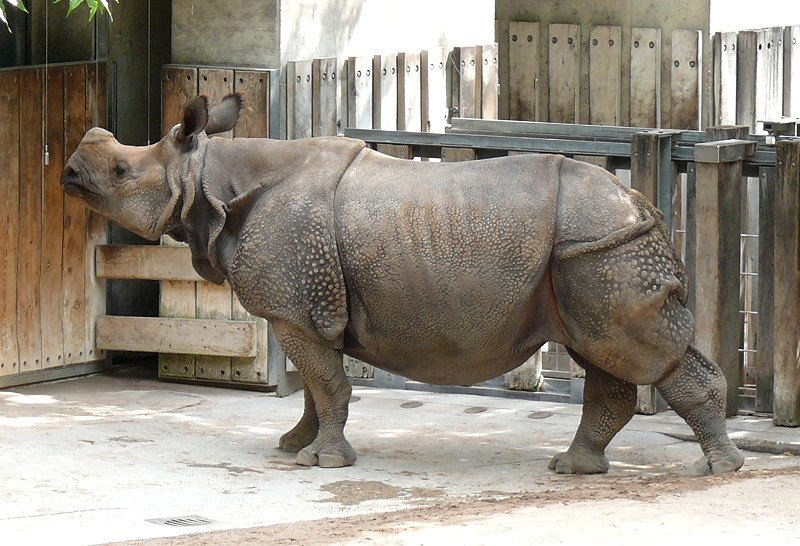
(182, 521)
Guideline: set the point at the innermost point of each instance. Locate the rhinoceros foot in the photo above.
(579, 462)
(302, 435)
(327, 454)
(730, 461)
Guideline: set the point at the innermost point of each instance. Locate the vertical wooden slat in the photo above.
(409, 108)
(255, 88)
(298, 99)
(215, 84)
(769, 76)
(434, 90)
(177, 297)
(323, 97)
(384, 92)
(53, 223)
(97, 226)
(725, 78)
(524, 71)
(9, 219)
(29, 334)
(564, 70)
(791, 72)
(252, 84)
(178, 85)
(467, 92)
(786, 274)
(687, 52)
(251, 370)
(605, 75)
(76, 218)
(765, 359)
(213, 301)
(646, 77)
(489, 75)
(359, 92)
(716, 233)
(746, 63)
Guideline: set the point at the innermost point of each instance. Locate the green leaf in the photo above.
(18, 4)
(72, 5)
(3, 15)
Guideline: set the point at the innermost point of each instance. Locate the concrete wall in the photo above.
(220, 32)
(731, 15)
(664, 14)
(342, 28)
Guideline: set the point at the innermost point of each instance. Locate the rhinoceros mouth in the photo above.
(74, 189)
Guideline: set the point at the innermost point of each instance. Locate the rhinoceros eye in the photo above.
(120, 169)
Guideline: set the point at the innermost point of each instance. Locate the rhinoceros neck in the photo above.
(233, 168)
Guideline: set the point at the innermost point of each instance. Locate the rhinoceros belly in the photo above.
(444, 263)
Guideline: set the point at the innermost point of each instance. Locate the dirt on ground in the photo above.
(436, 511)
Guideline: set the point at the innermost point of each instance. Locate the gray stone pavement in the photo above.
(95, 459)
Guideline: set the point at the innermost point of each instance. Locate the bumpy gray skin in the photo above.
(445, 273)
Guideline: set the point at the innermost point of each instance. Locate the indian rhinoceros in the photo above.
(448, 273)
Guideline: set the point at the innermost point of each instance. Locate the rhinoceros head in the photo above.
(139, 187)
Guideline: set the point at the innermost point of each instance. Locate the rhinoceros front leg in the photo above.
(696, 391)
(325, 381)
(305, 431)
(608, 404)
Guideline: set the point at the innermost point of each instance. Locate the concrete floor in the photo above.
(93, 460)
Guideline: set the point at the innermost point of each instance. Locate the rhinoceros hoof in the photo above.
(327, 455)
(579, 463)
(297, 438)
(718, 464)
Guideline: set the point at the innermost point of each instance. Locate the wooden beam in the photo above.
(646, 77)
(177, 336)
(715, 227)
(765, 358)
(786, 283)
(605, 75)
(145, 262)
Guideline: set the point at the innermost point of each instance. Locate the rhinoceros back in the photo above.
(442, 262)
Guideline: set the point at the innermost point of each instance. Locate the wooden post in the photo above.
(9, 220)
(409, 85)
(765, 360)
(384, 92)
(716, 232)
(791, 71)
(786, 283)
(646, 77)
(725, 78)
(653, 175)
(523, 50)
(564, 80)
(489, 90)
(323, 97)
(434, 90)
(359, 92)
(298, 100)
(605, 75)
(687, 54)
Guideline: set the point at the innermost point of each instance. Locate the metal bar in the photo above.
(488, 142)
(430, 145)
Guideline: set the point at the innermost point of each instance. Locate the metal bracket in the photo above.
(724, 151)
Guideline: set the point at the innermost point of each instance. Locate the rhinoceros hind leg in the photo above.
(325, 380)
(608, 405)
(696, 391)
(305, 431)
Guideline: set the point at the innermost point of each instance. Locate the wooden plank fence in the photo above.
(203, 334)
(716, 163)
(49, 297)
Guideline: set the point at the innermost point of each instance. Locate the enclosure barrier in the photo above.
(715, 162)
(202, 333)
(49, 297)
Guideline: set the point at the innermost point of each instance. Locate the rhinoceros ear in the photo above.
(195, 119)
(223, 117)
